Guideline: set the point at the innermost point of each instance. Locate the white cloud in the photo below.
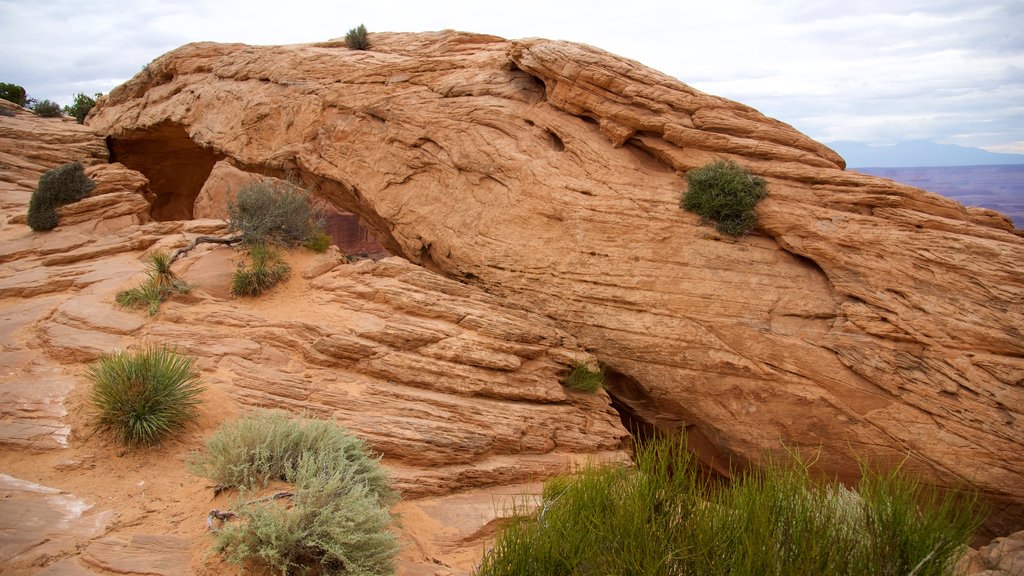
(946, 70)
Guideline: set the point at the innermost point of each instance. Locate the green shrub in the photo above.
(319, 242)
(13, 93)
(726, 193)
(274, 212)
(62, 185)
(356, 38)
(664, 517)
(142, 397)
(583, 378)
(47, 109)
(81, 107)
(338, 522)
(266, 268)
(160, 285)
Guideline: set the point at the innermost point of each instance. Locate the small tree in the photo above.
(13, 93)
(356, 38)
(274, 212)
(47, 109)
(80, 109)
(725, 192)
(62, 185)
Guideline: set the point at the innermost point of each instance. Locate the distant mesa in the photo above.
(918, 153)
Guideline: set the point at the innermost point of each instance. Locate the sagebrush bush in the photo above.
(143, 397)
(338, 521)
(265, 270)
(356, 38)
(47, 109)
(57, 187)
(726, 193)
(664, 516)
(161, 283)
(274, 212)
(585, 379)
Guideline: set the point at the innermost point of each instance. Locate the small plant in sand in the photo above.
(584, 378)
(142, 397)
(62, 185)
(726, 193)
(337, 521)
(265, 270)
(356, 38)
(160, 285)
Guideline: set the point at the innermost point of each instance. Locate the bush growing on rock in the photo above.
(585, 379)
(356, 38)
(47, 109)
(62, 185)
(338, 522)
(143, 397)
(13, 93)
(725, 193)
(663, 516)
(81, 107)
(274, 212)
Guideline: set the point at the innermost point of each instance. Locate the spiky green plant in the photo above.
(266, 268)
(142, 397)
(726, 193)
(160, 284)
(338, 521)
(584, 378)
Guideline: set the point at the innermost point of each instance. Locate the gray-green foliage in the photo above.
(356, 38)
(585, 379)
(161, 283)
(274, 212)
(47, 109)
(726, 193)
(265, 270)
(663, 516)
(62, 185)
(143, 397)
(338, 522)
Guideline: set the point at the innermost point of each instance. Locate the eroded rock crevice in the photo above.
(175, 165)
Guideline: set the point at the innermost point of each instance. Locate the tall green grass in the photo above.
(585, 379)
(664, 517)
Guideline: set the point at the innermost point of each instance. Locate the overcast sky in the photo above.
(878, 72)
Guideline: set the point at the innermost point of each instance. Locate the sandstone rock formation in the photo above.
(863, 320)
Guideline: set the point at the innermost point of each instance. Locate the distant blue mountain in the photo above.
(917, 153)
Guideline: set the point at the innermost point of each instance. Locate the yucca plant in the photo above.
(161, 283)
(266, 268)
(142, 397)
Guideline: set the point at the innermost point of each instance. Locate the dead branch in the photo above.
(203, 240)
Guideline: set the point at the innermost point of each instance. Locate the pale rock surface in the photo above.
(220, 189)
(863, 319)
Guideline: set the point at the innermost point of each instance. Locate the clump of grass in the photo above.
(319, 242)
(356, 38)
(338, 521)
(726, 193)
(143, 397)
(265, 270)
(663, 517)
(584, 378)
(161, 283)
(62, 185)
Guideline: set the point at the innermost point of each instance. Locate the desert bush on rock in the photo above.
(143, 397)
(663, 516)
(725, 193)
(319, 242)
(13, 93)
(338, 521)
(81, 107)
(47, 109)
(265, 270)
(274, 212)
(161, 283)
(356, 38)
(62, 185)
(585, 379)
